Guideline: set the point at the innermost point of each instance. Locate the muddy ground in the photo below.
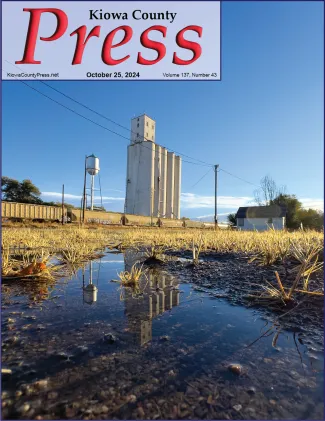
(73, 372)
(230, 275)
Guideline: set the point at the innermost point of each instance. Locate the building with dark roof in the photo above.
(261, 218)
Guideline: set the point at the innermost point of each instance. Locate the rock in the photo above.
(36, 404)
(132, 398)
(190, 391)
(23, 409)
(235, 368)
(70, 412)
(141, 412)
(251, 411)
(41, 384)
(52, 395)
(62, 356)
(104, 409)
(82, 348)
(164, 338)
(109, 338)
(201, 412)
(251, 390)
(237, 407)
(12, 340)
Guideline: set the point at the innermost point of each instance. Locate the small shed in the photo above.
(261, 218)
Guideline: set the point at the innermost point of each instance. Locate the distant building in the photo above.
(261, 218)
(153, 185)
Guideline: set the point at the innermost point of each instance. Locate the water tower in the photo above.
(92, 168)
(90, 291)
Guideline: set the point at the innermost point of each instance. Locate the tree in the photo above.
(232, 219)
(267, 192)
(23, 192)
(296, 215)
(311, 219)
(292, 205)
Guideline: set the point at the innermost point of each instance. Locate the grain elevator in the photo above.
(153, 182)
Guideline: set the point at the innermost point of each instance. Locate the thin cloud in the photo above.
(195, 201)
(211, 215)
(317, 204)
(120, 191)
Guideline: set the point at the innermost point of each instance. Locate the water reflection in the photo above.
(159, 293)
(73, 346)
(90, 290)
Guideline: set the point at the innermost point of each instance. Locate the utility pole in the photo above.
(84, 194)
(62, 204)
(215, 196)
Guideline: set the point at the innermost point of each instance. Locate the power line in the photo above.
(97, 124)
(203, 163)
(108, 119)
(201, 178)
(114, 122)
(239, 178)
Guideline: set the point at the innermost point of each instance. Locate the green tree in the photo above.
(232, 219)
(24, 192)
(292, 205)
(311, 219)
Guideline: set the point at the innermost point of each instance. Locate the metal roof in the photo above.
(273, 211)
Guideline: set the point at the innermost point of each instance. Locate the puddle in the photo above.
(108, 353)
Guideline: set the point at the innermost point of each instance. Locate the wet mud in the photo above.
(187, 346)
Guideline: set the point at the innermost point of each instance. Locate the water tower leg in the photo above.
(92, 193)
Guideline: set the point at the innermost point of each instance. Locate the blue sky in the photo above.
(264, 117)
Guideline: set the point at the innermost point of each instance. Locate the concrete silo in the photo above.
(163, 182)
(157, 182)
(170, 184)
(177, 187)
(151, 184)
(140, 179)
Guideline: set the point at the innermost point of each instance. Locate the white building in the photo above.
(261, 218)
(153, 184)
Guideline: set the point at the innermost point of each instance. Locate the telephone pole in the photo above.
(84, 193)
(63, 204)
(215, 196)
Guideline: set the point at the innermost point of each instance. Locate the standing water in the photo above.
(85, 348)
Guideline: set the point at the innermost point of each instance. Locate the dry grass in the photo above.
(131, 280)
(69, 245)
(132, 277)
(23, 247)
